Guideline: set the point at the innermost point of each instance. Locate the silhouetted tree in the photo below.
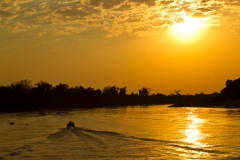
(21, 86)
(42, 94)
(44, 87)
(123, 91)
(5, 97)
(232, 90)
(61, 88)
(177, 92)
(20, 94)
(113, 91)
(144, 91)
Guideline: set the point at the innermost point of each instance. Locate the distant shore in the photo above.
(221, 104)
(22, 96)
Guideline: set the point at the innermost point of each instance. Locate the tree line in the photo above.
(23, 96)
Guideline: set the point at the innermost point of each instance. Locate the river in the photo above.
(132, 132)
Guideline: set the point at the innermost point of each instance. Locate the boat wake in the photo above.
(113, 139)
(83, 143)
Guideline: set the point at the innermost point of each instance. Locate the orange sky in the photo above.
(165, 45)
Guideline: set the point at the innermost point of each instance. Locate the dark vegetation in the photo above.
(22, 96)
(229, 96)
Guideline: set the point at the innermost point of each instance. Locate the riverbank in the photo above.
(220, 104)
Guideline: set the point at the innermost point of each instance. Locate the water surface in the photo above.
(139, 132)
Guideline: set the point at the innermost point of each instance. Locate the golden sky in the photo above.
(165, 45)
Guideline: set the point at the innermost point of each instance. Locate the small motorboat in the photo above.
(71, 124)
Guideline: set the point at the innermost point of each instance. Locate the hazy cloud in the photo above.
(106, 4)
(124, 7)
(112, 17)
(24, 1)
(29, 12)
(18, 26)
(68, 30)
(6, 14)
(67, 1)
(147, 2)
(39, 34)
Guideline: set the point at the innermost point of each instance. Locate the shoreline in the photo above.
(221, 104)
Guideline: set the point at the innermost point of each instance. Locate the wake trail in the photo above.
(108, 139)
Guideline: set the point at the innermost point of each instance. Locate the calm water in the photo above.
(153, 132)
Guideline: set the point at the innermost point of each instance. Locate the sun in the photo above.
(189, 29)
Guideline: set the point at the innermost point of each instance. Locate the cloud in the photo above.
(205, 9)
(123, 7)
(7, 5)
(205, 1)
(198, 15)
(18, 26)
(106, 4)
(29, 12)
(10, 9)
(6, 14)
(111, 17)
(67, 1)
(166, 2)
(147, 2)
(43, 5)
(24, 1)
(233, 2)
(68, 30)
(95, 2)
(69, 14)
(39, 34)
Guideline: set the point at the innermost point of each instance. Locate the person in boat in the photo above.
(70, 124)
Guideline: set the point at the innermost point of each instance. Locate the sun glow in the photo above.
(193, 129)
(189, 29)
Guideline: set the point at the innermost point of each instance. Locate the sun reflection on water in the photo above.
(194, 137)
(193, 132)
